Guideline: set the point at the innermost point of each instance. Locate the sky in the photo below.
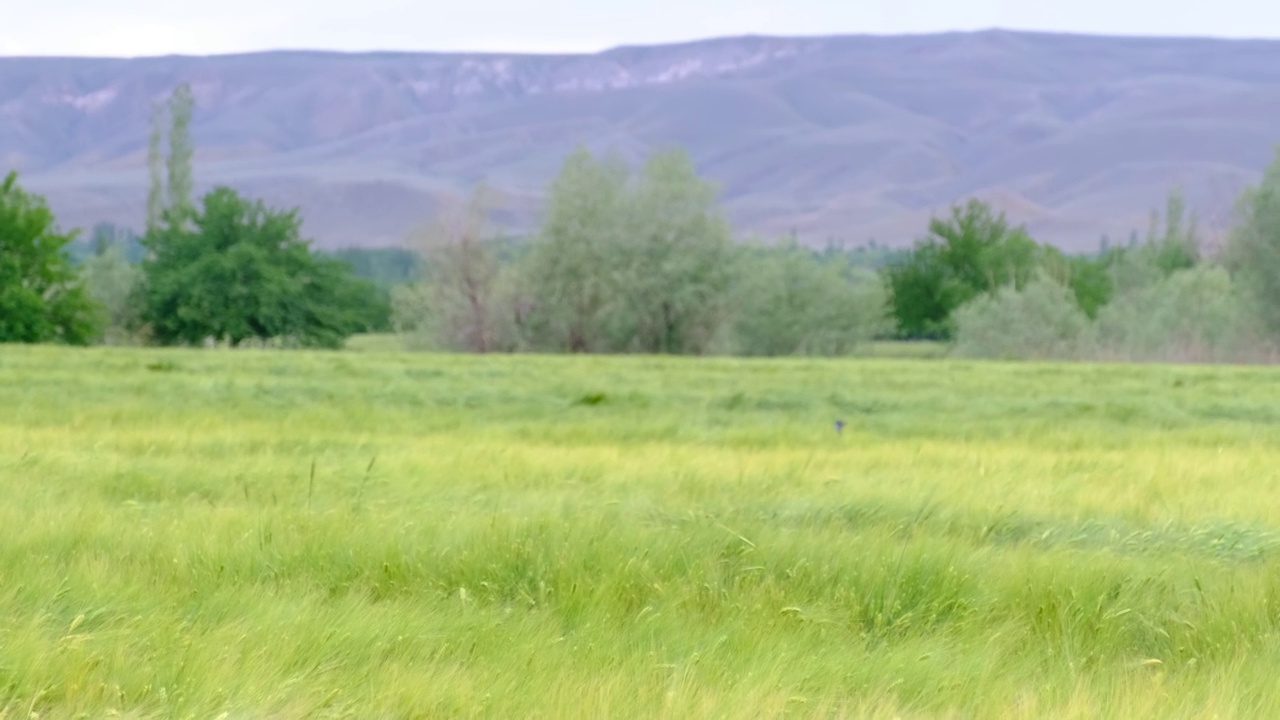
(129, 28)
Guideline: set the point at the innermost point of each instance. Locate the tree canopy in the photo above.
(629, 262)
(1253, 250)
(41, 298)
(975, 251)
(242, 271)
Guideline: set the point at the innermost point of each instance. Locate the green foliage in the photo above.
(1039, 321)
(1193, 314)
(111, 281)
(569, 268)
(102, 236)
(868, 257)
(1176, 246)
(385, 267)
(1091, 281)
(171, 175)
(1151, 301)
(242, 272)
(41, 299)
(671, 271)
(628, 264)
(973, 252)
(180, 205)
(1253, 250)
(155, 169)
(461, 301)
(789, 301)
(1165, 251)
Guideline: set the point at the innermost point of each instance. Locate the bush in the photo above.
(111, 282)
(974, 252)
(1041, 321)
(1192, 315)
(237, 271)
(41, 298)
(790, 302)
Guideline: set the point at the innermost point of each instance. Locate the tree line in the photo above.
(628, 260)
(1167, 297)
(642, 261)
(223, 269)
(632, 260)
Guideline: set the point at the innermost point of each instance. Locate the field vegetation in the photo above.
(234, 517)
(253, 534)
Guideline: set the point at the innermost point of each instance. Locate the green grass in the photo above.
(375, 343)
(914, 350)
(379, 535)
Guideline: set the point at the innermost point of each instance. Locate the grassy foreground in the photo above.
(380, 535)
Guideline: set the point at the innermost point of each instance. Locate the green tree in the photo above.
(1191, 315)
(181, 152)
(975, 251)
(672, 271)
(242, 272)
(1091, 280)
(1170, 246)
(155, 169)
(1253, 250)
(41, 298)
(787, 301)
(1041, 320)
(1175, 242)
(628, 263)
(570, 267)
(460, 300)
(111, 281)
(171, 176)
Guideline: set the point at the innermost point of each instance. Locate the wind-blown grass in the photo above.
(268, 534)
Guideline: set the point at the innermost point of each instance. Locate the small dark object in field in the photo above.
(839, 426)
(163, 366)
(592, 399)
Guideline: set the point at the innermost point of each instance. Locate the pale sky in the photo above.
(126, 28)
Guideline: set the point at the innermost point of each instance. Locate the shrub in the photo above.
(1041, 321)
(1192, 315)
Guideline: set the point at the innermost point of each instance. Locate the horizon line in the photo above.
(285, 50)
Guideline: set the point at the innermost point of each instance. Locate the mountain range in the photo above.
(846, 138)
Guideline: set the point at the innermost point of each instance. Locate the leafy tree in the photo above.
(1091, 281)
(975, 251)
(569, 269)
(181, 151)
(169, 197)
(242, 272)
(111, 281)
(155, 169)
(1176, 246)
(458, 303)
(1253, 250)
(1169, 247)
(671, 272)
(628, 263)
(1041, 320)
(41, 299)
(1193, 314)
(788, 301)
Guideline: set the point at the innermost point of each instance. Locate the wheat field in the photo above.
(258, 534)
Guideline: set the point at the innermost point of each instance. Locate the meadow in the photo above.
(259, 534)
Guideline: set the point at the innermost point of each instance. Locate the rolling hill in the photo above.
(849, 138)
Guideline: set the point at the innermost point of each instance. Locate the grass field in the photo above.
(381, 535)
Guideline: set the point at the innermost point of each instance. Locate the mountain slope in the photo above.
(849, 138)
